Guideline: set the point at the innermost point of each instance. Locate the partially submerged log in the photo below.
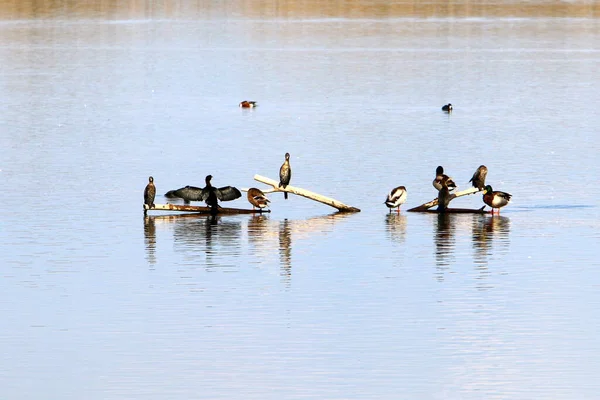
(453, 211)
(306, 193)
(201, 209)
(426, 206)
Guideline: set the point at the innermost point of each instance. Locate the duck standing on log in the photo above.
(209, 194)
(257, 198)
(396, 197)
(285, 174)
(478, 179)
(439, 177)
(150, 193)
(495, 199)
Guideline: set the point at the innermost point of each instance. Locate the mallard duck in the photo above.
(150, 193)
(478, 178)
(444, 195)
(248, 104)
(447, 108)
(495, 199)
(285, 174)
(209, 194)
(257, 198)
(439, 176)
(396, 197)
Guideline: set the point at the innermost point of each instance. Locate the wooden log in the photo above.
(426, 206)
(201, 209)
(306, 193)
(454, 211)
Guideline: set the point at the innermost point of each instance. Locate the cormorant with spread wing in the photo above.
(209, 194)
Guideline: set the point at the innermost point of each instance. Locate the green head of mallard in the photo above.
(488, 189)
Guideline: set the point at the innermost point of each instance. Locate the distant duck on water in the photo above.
(495, 199)
(150, 193)
(248, 104)
(396, 197)
(439, 177)
(285, 174)
(209, 194)
(257, 198)
(447, 108)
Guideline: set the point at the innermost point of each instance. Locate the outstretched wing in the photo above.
(227, 193)
(188, 193)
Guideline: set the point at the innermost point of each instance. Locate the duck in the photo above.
(495, 199)
(248, 104)
(439, 177)
(257, 198)
(447, 108)
(396, 197)
(150, 193)
(209, 194)
(285, 174)
(444, 195)
(478, 179)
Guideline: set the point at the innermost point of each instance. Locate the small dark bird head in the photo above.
(439, 170)
(287, 156)
(151, 179)
(208, 178)
(488, 189)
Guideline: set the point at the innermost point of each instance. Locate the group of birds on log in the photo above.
(445, 185)
(211, 195)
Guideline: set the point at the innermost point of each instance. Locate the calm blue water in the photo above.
(98, 302)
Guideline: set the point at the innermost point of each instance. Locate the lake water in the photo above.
(98, 302)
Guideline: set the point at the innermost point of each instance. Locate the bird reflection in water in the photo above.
(395, 226)
(258, 226)
(485, 230)
(216, 238)
(285, 248)
(150, 239)
(444, 242)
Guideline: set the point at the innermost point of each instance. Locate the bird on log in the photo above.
(439, 177)
(209, 194)
(258, 199)
(150, 193)
(444, 195)
(478, 179)
(285, 174)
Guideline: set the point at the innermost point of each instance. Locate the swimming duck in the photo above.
(257, 198)
(439, 176)
(209, 194)
(447, 108)
(396, 197)
(150, 193)
(248, 104)
(444, 195)
(478, 179)
(285, 174)
(495, 199)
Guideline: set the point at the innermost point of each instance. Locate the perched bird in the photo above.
(209, 194)
(396, 197)
(248, 104)
(444, 195)
(257, 198)
(447, 108)
(150, 193)
(478, 178)
(285, 174)
(439, 176)
(495, 199)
